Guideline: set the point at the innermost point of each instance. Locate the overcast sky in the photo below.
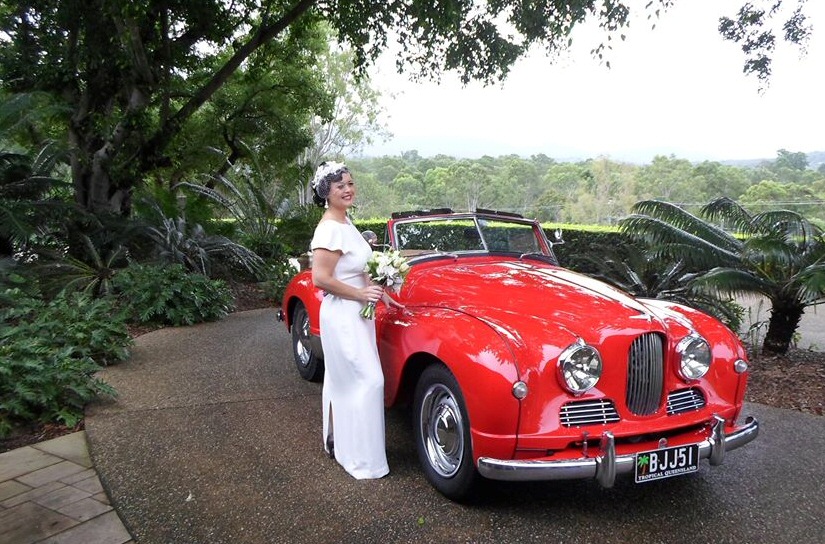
(677, 89)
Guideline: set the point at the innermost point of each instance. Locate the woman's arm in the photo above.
(323, 277)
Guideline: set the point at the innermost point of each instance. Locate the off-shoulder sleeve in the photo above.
(328, 235)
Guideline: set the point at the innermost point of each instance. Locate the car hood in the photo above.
(525, 297)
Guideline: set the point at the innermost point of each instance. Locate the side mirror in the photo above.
(370, 237)
(557, 239)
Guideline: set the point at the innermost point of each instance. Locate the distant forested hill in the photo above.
(815, 160)
(593, 191)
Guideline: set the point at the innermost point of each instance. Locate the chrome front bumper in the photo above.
(605, 467)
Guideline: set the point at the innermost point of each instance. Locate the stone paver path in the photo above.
(51, 493)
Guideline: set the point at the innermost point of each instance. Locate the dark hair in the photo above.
(322, 187)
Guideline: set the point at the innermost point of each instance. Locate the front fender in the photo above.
(476, 354)
(301, 289)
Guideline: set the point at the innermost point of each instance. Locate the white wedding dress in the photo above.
(353, 390)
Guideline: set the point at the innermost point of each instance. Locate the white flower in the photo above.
(387, 268)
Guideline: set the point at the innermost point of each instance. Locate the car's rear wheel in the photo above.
(310, 366)
(442, 433)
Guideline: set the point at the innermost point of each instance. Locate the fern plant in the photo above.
(50, 353)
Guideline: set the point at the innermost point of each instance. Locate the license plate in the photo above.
(666, 463)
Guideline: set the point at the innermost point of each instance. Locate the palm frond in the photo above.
(47, 158)
(812, 284)
(767, 253)
(177, 242)
(671, 275)
(722, 281)
(727, 210)
(13, 222)
(620, 275)
(686, 221)
(207, 192)
(793, 227)
(60, 272)
(668, 240)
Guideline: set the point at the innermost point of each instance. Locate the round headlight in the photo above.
(695, 357)
(580, 367)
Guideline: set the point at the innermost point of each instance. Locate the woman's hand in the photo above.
(389, 301)
(370, 293)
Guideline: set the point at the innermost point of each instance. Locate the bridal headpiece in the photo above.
(325, 174)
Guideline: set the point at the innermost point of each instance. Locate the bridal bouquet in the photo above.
(388, 269)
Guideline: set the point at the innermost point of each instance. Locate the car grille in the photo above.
(645, 373)
(588, 412)
(684, 400)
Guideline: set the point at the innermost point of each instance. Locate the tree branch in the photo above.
(264, 34)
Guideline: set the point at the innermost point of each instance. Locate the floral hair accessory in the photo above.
(324, 176)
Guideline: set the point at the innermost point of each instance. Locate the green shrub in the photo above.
(169, 295)
(582, 246)
(50, 352)
(295, 230)
(379, 227)
(278, 273)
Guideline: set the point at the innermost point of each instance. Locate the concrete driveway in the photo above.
(215, 439)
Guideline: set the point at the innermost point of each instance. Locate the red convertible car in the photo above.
(519, 369)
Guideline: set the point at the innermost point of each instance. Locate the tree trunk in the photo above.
(6, 247)
(785, 316)
(94, 190)
(105, 169)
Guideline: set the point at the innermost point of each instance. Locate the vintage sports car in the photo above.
(519, 369)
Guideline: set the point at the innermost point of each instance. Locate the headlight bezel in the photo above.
(576, 359)
(695, 357)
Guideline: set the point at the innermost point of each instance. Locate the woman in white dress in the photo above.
(353, 391)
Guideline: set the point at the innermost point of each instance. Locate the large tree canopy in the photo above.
(132, 76)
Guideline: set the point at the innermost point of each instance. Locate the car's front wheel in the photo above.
(442, 433)
(310, 366)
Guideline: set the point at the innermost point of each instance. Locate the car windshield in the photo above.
(440, 235)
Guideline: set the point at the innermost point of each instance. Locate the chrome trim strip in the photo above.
(590, 412)
(717, 442)
(606, 464)
(645, 374)
(684, 400)
(605, 467)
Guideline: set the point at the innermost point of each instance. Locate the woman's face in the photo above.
(342, 193)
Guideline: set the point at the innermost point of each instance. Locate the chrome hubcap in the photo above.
(442, 430)
(302, 349)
